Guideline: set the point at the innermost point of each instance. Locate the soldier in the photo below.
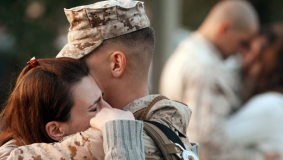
(115, 40)
(195, 74)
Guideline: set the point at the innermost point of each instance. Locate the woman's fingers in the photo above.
(109, 114)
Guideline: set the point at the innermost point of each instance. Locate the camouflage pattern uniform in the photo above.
(85, 145)
(88, 144)
(77, 146)
(195, 74)
(105, 20)
(172, 114)
(90, 25)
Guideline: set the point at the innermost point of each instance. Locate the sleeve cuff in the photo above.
(121, 137)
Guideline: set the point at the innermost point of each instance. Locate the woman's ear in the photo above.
(54, 130)
(118, 63)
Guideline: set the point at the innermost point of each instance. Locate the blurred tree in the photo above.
(33, 26)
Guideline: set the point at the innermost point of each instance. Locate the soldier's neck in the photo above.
(124, 95)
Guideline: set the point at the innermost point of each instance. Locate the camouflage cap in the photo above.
(91, 24)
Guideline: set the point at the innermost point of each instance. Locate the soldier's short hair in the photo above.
(142, 40)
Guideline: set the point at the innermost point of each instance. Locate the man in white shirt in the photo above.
(195, 74)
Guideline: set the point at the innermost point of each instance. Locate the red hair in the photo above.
(42, 94)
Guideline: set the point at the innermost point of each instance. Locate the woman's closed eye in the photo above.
(94, 106)
(94, 109)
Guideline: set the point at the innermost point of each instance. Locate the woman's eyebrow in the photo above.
(96, 101)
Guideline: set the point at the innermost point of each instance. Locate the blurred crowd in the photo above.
(229, 72)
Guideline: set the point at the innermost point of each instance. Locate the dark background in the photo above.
(38, 28)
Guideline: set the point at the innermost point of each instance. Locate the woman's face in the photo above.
(256, 45)
(87, 103)
(251, 64)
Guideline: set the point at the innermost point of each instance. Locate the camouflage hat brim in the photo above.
(79, 50)
(90, 25)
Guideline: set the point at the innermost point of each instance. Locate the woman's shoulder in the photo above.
(268, 103)
(268, 98)
(6, 149)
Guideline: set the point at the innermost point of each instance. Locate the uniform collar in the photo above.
(140, 103)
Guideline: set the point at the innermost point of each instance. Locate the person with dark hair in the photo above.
(259, 122)
(55, 98)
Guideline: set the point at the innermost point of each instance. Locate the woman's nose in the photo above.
(103, 105)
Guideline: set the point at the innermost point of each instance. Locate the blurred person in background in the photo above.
(259, 123)
(195, 74)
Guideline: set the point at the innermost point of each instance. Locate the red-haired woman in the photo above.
(55, 98)
(259, 122)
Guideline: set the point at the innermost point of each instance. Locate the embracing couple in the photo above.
(68, 100)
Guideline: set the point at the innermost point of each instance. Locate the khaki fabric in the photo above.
(172, 114)
(116, 143)
(91, 24)
(83, 145)
(6, 149)
(89, 144)
(196, 75)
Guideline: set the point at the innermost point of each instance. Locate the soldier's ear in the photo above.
(55, 130)
(118, 63)
(223, 28)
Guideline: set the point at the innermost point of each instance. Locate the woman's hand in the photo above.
(109, 114)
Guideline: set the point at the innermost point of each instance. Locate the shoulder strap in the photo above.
(141, 114)
(168, 133)
(166, 147)
(164, 137)
(167, 142)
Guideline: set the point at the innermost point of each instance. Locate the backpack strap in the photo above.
(155, 133)
(166, 147)
(141, 114)
(167, 141)
(171, 135)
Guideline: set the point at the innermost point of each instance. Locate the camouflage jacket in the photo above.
(88, 144)
(85, 145)
(76, 146)
(173, 114)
